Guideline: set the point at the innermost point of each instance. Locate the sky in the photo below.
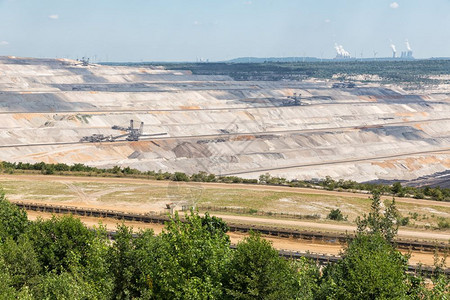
(189, 30)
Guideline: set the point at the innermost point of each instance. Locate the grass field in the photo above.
(153, 197)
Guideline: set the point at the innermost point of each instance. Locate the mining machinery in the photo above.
(293, 100)
(132, 134)
(343, 85)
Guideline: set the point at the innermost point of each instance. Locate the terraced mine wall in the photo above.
(218, 125)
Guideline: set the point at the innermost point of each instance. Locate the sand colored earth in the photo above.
(219, 125)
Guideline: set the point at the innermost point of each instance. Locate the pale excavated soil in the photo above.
(221, 126)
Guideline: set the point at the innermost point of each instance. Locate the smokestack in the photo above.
(409, 52)
(408, 47)
(394, 51)
(341, 52)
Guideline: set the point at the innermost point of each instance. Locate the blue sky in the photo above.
(184, 30)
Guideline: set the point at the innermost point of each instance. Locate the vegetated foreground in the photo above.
(293, 245)
(61, 259)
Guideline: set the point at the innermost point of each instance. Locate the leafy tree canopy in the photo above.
(13, 220)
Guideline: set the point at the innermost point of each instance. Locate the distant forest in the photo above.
(411, 71)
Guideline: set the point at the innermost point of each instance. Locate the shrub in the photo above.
(336, 215)
(179, 176)
(443, 223)
(403, 221)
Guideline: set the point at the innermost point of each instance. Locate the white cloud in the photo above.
(54, 17)
(394, 5)
(248, 2)
(197, 23)
(327, 21)
(4, 43)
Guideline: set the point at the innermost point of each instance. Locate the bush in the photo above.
(179, 176)
(58, 239)
(443, 223)
(398, 190)
(403, 221)
(336, 215)
(256, 271)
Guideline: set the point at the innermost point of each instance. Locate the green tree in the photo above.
(122, 261)
(264, 178)
(7, 291)
(21, 260)
(215, 225)
(441, 287)
(63, 286)
(74, 259)
(179, 176)
(94, 266)
(441, 281)
(13, 220)
(336, 214)
(58, 238)
(116, 170)
(371, 268)
(48, 169)
(329, 183)
(378, 222)
(131, 263)
(308, 279)
(397, 189)
(191, 260)
(256, 271)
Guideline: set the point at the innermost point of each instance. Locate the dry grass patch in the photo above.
(152, 197)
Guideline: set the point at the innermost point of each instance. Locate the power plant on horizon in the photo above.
(341, 53)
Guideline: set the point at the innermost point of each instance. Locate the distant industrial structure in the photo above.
(84, 61)
(294, 100)
(132, 134)
(343, 85)
(341, 53)
(394, 51)
(408, 54)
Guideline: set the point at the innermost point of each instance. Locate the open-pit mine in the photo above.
(51, 108)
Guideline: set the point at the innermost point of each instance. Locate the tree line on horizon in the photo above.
(414, 72)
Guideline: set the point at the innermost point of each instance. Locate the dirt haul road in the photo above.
(408, 234)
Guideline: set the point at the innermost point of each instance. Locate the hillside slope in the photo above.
(219, 125)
